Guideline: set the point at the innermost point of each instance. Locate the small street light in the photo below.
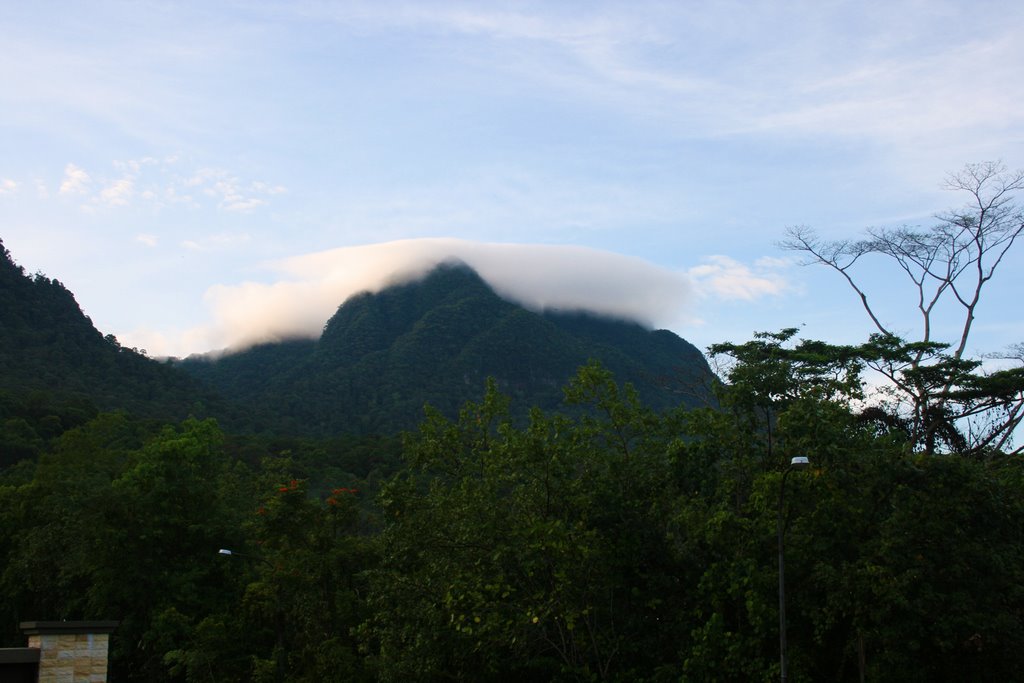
(797, 463)
(234, 553)
(280, 660)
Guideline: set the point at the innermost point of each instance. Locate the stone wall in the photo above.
(70, 651)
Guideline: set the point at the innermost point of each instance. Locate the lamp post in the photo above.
(797, 463)
(280, 663)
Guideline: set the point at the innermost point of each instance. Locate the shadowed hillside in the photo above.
(48, 345)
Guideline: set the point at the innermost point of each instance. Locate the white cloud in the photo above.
(162, 344)
(75, 181)
(265, 188)
(134, 166)
(241, 204)
(118, 192)
(308, 289)
(725, 278)
(231, 193)
(155, 182)
(311, 287)
(539, 277)
(147, 239)
(8, 186)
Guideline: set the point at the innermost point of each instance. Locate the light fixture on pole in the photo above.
(797, 463)
(280, 662)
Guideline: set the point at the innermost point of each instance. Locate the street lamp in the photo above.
(280, 662)
(797, 463)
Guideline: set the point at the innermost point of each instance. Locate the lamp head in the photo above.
(225, 551)
(799, 462)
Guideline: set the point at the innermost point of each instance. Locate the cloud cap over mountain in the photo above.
(539, 277)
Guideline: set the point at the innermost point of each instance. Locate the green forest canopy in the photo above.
(608, 542)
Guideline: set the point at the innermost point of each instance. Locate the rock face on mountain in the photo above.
(382, 356)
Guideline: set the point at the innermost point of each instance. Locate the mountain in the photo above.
(49, 348)
(436, 340)
(380, 358)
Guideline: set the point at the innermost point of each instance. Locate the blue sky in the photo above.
(197, 171)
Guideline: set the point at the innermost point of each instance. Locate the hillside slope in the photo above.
(49, 346)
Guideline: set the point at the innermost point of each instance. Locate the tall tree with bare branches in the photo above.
(947, 401)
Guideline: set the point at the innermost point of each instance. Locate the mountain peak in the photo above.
(436, 339)
(367, 321)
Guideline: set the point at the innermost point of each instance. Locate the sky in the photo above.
(205, 175)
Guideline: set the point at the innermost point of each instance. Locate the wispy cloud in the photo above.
(231, 193)
(740, 69)
(118, 192)
(75, 182)
(8, 186)
(901, 96)
(147, 239)
(723, 277)
(159, 183)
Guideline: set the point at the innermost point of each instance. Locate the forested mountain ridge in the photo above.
(47, 344)
(380, 359)
(382, 356)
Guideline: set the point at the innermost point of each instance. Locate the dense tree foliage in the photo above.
(123, 519)
(529, 553)
(885, 552)
(601, 542)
